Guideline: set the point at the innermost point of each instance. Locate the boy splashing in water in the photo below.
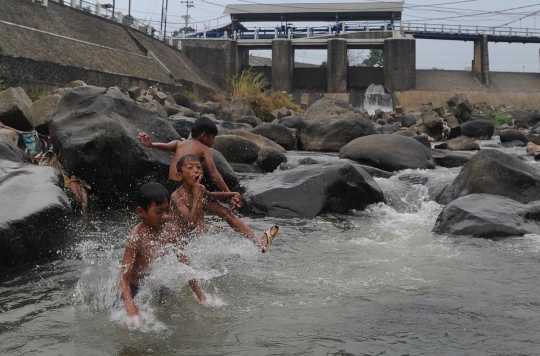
(148, 241)
(191, 200)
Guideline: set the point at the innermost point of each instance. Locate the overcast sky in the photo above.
(450, 55)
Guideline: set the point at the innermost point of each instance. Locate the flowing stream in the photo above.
(374, 282)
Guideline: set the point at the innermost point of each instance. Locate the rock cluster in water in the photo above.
(88, 137)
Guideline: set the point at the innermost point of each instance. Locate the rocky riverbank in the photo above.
(77, 149)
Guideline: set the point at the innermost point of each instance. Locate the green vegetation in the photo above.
(38, 92)
(323, 64)
(250, 85)
(501, 118)
(3, 85)
(374, 59)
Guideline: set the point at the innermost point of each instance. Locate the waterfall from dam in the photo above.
(375, 98)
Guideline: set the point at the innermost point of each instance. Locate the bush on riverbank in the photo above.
(251, 85)
(501, 118)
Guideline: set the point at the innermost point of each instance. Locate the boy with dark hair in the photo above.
(147, 241)
(191, 200)
(203, 133)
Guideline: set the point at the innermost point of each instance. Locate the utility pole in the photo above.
(165, 29)
(186, 16)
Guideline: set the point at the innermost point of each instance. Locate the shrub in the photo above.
(38, 92)
(3, 85)
(251, 85)
(501, 118)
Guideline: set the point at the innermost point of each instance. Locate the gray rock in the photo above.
(388, 152)
(270, 158)
(181, 124)
(488, 216)
(202, 108)
(280, 134)
(292, 122)
(258, 139)
(181, 100)
(41, 112)
(34, 212)
(513, 135)
(94, 132)
(308, 191)
(231, 111)
(450, 159)
(226, 171)
(389, 129)
(254, 121)
(410, 119)
(477, 129)
(10, 152)
(461, 143)
(236, 149)
(497, 173)
(15, 109)
(331, 109)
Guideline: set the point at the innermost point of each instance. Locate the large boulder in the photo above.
(389, 129)
(15, 109)
(521, 115)
(450, 159)
(388, 152)
(280, 134)
(182, 124)
(308, 191)
(270, 158)
(331, 135)
(254, 121)
(174, 109)
(10, 152)
(42, 110)
(236, 149)
(477, 129)
(226, 171)
(331, 109)
(94, 132)
(461, 143)
(483, 215)
(292, 122)
(513, 135)
(201, 108)
(410, 119)
(34, 212)
(233, 110)
(497, 173)
(258, 139)
(181, 100)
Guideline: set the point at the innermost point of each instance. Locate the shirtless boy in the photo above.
(147, 242)
(191, 200)
(203, 133)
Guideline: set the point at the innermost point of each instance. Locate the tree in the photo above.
(374, 59)
(355, 57)
(324, 64)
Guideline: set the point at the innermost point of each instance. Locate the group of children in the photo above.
(168, 219)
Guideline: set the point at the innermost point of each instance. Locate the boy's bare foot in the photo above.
(270, 236)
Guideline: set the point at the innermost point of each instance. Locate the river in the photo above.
(374, 282)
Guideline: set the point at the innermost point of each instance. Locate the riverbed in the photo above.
(373, 282)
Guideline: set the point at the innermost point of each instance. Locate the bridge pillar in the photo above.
(399, 64)
(336, 74)
(282, 65)
(480, 63)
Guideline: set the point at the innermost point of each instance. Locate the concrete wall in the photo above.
(310, 78)
(282, 65)
(216, 58)
(399, 58)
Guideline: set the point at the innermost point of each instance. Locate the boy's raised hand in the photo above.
(145, 139)
(236, 201)
(199, 190)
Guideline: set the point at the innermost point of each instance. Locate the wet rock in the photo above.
(10, 152)
(15, 109)
(450, 159)
(331, 135)
(253, 121)
(462, 143)
(181, 124)
(410, 119)
(423, 139)
(477, 129)
(280, 134)
(513, 135)
(488, 216)
(388, 152)
(308, 191)
(258, 139)
(497, 173)
(230, 111)
(516, 143)
(156, 107)
(269, 159)
(246, 168)
(41, 112)
(389, 129)
(226, 171)
(34, 212)
(94, 132)
(414, 179)
(236, 149)
(521, 115)
(292, 122)
(406, 133)
(181, 100)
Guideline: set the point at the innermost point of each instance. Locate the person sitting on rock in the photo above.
(191, 200)
(148, 241)
(203, 133)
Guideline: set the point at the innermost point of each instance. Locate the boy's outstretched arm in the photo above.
(147, 141)
(127, 269)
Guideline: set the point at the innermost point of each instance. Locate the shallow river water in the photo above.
(375, 282)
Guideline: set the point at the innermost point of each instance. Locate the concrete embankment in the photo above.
(57, 44)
